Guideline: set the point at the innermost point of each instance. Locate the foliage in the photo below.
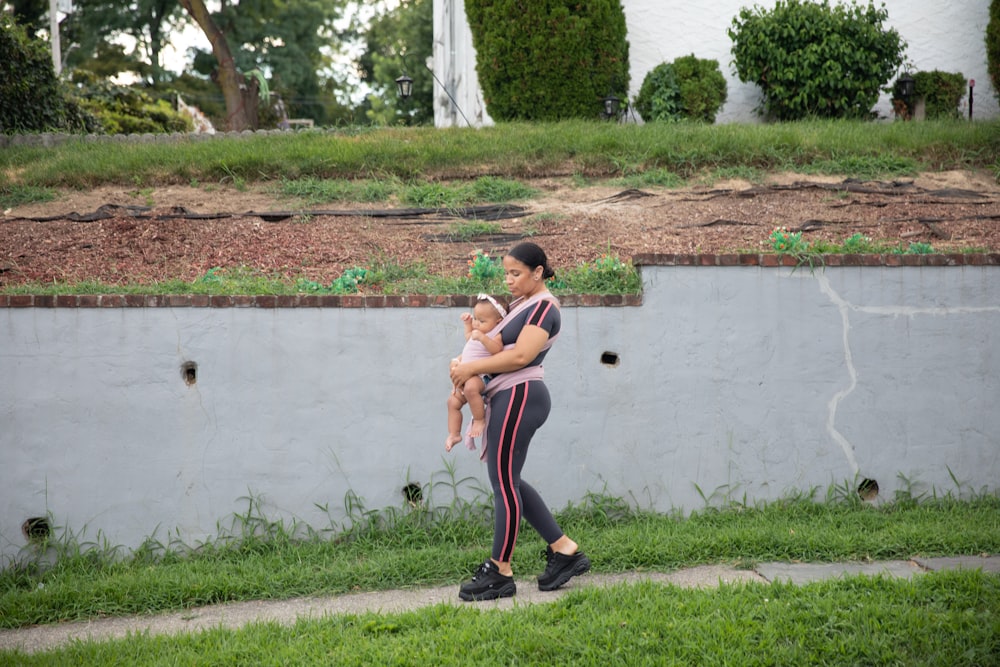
(287, 40)
(784, 242)
(942, 92)
(32, 99)
(398, 41)
(811, 59)
(73, 577)
(548, 59)
(128, 110)
(93, 25)
(607, 274)
(483, 268)
(993, 46)
(688, 88)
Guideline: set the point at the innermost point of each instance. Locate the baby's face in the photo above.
(484, 316)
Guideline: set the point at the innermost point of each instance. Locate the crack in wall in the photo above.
(831, 416)
(844, 307)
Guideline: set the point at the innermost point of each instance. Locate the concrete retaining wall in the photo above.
(160, 415)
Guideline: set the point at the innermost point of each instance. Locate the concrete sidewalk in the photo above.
(237, 614)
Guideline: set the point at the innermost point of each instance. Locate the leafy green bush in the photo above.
(548, 59)
(942, 92)
(31, 97)
(688, 88)
(128, 110)
(659, 96)
(993, 46)
(814, 60)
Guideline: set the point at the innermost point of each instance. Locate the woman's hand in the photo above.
(460, 374)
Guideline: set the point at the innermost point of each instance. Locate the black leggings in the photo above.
(515, 415)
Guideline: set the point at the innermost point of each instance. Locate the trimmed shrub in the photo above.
(993, 47)
(813, 60)
(689, 88)
(32, 99)
(548, 59)
(942, 92)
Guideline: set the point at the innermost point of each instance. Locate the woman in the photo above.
(517, 405)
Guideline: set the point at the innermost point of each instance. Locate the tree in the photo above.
(290, 42)
(401, 38)
(31, 14)
(32, 99)
(239, 92)
(94, 24)
(811, 59)
(548, 59)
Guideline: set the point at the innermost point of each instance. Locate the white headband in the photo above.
(493, 302)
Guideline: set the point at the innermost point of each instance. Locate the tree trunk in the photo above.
(239, 93)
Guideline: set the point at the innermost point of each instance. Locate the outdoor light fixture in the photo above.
(611, 106)
(404, 85)
(907, 87)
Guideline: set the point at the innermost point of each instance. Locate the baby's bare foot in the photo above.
(453, 439)
(477, 427)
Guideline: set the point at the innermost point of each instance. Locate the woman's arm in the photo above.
(528, 345)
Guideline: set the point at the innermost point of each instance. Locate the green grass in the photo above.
(512, 152)
(944, 618)
(458, 167)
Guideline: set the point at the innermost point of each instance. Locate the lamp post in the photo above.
(907, 87)
(612, 104)
(404, 86)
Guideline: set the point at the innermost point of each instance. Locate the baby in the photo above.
(485, 315)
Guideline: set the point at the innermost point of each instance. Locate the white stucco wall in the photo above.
(942, 37)
(733, 382)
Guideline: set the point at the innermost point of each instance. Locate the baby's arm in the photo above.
(467, 321)
(492, 345)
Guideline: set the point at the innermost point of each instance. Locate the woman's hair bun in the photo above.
(531, 255)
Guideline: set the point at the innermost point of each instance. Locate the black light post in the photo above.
(907, 87)
(404, 86)
(612, 104)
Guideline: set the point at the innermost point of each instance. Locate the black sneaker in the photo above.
(561, 568)
(487, 584)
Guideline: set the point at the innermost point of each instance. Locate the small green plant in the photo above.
(349, 281)
(857, 244)
(918, 248)
(785, 242)
(607, 274)
(483, 268)
(467, 230)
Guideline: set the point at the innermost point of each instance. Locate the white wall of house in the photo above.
(950, 38)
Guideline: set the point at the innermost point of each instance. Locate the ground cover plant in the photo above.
(410, 206)
(843, 622)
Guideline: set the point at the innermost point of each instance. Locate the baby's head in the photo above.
(487, 312)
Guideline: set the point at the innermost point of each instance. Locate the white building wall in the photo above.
(950, 39)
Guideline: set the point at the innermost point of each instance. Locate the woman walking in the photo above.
(517, 405)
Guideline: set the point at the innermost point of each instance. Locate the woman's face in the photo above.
(521, 279)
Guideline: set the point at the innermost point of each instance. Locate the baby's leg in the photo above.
(473, 392)
(455, 402)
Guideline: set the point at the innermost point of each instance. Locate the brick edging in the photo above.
(285, 301)
(773, 260)
(467, 300)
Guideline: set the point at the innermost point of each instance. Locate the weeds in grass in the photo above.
(608, 274)
(20, 195)
(466, 230)
(436, 539)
